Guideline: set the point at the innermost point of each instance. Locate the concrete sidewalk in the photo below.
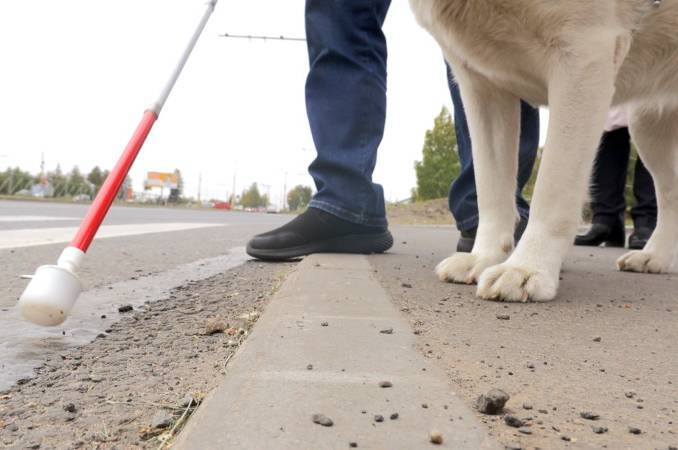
(319, 349)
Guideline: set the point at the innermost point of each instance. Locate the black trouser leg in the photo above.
(644, 212)
(609, 178)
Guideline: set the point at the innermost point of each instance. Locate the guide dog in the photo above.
(579, 57)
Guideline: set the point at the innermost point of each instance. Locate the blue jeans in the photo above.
(462, 198)
(346, 105)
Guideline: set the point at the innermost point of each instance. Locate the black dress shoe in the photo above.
(600, 233)
(316, 231)
(468, 238)
(639, 237)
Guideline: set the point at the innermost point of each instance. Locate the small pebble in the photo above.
(353, 444)
(597, 339)
(513, 421)
(407, 285)
(524, 430)
(309, 367)
(599, 430)
(394, 416)
(493, 402)
(387, 331)
(527, 406)
(503, 317)
(378, 418)
(215, 325)
(125, 308)
(161, 419)
(588, 415)
(634, 430)
(385, 384)
(324, 324)
(69, 407)
(424, 405)
(322, 419)
(436, 437)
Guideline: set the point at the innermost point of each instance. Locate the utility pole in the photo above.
(199, 185)
(284, 199)
(233, 191)
(43, 176)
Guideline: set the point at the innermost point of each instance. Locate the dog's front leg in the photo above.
(494, 123)
(580, 92)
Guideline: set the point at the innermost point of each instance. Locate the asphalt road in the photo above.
(606, 345)
(143, 241)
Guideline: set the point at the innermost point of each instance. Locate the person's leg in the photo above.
(644, 211)
(462, 198)
(346, 105)
(608, 184)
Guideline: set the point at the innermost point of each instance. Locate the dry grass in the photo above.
(430, 212)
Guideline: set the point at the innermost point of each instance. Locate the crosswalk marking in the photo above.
(45, 236)
(36, 218)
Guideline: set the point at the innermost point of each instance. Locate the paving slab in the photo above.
(319, 349)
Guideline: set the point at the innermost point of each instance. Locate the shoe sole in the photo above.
(353, 243)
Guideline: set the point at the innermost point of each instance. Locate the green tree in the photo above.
(14, 180)
(76, 183)
(96, 177)
(440, 161)
(252, 198)
(298, 197)
(58, 181)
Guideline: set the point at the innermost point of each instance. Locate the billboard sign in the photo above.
(162, 180)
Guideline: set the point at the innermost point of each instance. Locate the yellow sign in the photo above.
(161, 179)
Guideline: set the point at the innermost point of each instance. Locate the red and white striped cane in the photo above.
(53, 290)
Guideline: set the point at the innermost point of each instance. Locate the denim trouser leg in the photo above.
(463, 199)
(346, 105)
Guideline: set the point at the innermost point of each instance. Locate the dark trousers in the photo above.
(463, 198)
(608, 184)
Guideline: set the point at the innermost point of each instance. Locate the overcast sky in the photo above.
(77, 74)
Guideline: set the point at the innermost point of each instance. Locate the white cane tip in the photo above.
(50, 296)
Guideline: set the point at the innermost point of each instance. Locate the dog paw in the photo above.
(464, 267)
(513, 283)
(643, 261)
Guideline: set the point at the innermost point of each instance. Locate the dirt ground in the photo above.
(606, 345)
(430, 212)
(135, 385)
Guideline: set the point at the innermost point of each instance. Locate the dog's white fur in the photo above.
(579, 57)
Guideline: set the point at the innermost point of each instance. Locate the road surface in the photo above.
(605, 346)
(137, 241)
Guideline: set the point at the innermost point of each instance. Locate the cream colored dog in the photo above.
(579, 57)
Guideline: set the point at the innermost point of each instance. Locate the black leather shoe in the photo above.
(468, 238)
(600, 233)
(316, 231)
(639, 237)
